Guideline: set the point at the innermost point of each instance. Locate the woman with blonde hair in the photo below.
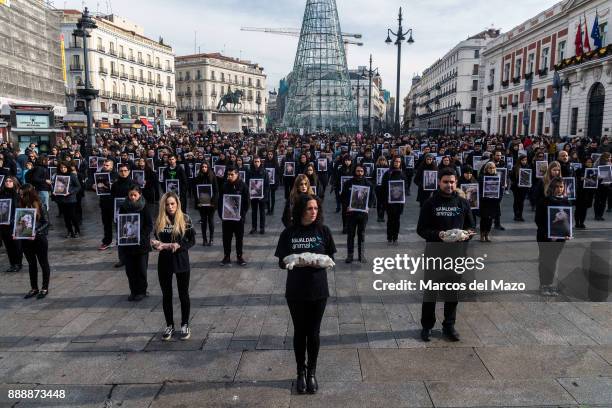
(174, 235)
(301, 185)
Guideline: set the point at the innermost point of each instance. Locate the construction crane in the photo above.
(295, 32)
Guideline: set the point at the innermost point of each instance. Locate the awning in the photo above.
(146, 123)
(75, 117)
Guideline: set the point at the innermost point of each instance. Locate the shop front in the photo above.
(33, 124)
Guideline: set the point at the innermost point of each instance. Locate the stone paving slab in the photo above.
(386, 365)
(495, 393)
(589, 390)
(254, 394)
(157, 367)
(543, 362)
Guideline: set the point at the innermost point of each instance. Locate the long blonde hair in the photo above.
(548, 178)
(163, 220)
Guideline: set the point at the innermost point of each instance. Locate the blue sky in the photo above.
(438, 25)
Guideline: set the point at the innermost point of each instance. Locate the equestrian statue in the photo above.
(230, 98)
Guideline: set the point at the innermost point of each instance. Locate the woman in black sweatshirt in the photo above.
(67, 202)
(549, 249)
(306, 288)
(10, 191)
(206, 176)
(174, 235)
(36, 250)
(136, 257)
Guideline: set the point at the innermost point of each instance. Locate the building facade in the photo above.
(360, 88)
(133, 74)
(446, 97)
(203, 80)
(519, 67)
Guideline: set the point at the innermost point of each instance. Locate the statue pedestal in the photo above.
(229, 122)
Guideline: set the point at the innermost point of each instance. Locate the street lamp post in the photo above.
(457, 106)
(400, 35)
(84, 27)
(371, 73)
(258, 103)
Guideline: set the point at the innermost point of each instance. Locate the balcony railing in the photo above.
(101, 49)
(505, 83)
(116, 95)
(515, 104)
(168, 69)
(179, 79)
(114, 73)
(159, 84)
(149, 64)
(198, 93)
(133, 78)
(516, 80)
(103, 71)
(123, 75)
(543, 72)
(112, 52)
(489, 108)
(490, 87)
(541, 99)
(74, 44)
(529, 76)
(169, 86)
(76, 67)
(140, 61)
(150, 82)
(131, 58)
(141, 80)
(158, 66)
(122, 55)
(503, 105)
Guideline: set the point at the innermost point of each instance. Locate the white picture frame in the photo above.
(397, 192)
(128, 229)
(231, 207)
(569, 191)
(173, 185)
(430, 180)
(541, 167)
(472, 194)
(6, 207)
(380, 172)
(219, 170)
(605, 174)
(322, 164)
(344, 179)
(560, 222)
(256, 189)
(525, 178)
(204, 195)
(289, 169)
(271, 175)
(61, 185)
(160, 173)
(591, 178)
(491, 186)
(102, 182)
(360, 197)
(117, 203)
(138, 176)
(25, 223)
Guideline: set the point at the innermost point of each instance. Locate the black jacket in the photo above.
(240, 188)
(121, 187)
(442, 213)
(176, 262)
(38, 177)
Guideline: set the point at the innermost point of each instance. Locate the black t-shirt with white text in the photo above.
(306, 283)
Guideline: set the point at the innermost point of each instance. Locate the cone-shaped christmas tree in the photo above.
(319, 95)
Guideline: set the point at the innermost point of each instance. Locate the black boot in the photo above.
(311, 381)
(300, 382)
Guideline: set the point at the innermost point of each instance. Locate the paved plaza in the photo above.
(517, 350)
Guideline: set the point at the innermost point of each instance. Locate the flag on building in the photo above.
(595, 34)
(578, 40)
(587, 43)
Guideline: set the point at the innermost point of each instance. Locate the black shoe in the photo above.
(241, 261)
(69, 235)
(76, 235)
(311, 382)
(349, 259)
(204, 242)
(31, 293)
(42, 294)
(139, 297)
(11, 268)
(226, 261)
(517, 219)
(500, 227)
(426, 334)
(210, 243)
(344, 230)
(580, 226)
(362, 258)
(131, 298)
(18, 267)
(253, 231)
(300, 382)
(521, 219)
(450, 333)
(119, 264)
(262, 231)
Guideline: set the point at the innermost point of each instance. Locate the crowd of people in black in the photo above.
(145, 185)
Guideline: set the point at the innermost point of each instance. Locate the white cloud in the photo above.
(438, 25)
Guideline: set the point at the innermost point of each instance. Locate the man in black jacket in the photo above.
(176, 172)
(444, 210)
(258, 205)
(357, 218)
(107, 208)
(230, 227)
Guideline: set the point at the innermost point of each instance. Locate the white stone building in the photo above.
(134, 74)
(520, 66)
(446, 97)
(203, 79)
(359, 78)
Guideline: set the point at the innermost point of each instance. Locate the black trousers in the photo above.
(394, 213)
(519, 202)
(306, 317)
(182, 284)
(428, 314)
(338, 202)
(258, 206)
(107, 212)
(231, 229)
(408, 183)
(69, 212)
(580, 213)
(207, 215)
(136, 266)
(272, 200)
(356, 223)
(344, 209)
(547, 261)
(13, 246)
(486, 222)
(599, 202)
(37, 252)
